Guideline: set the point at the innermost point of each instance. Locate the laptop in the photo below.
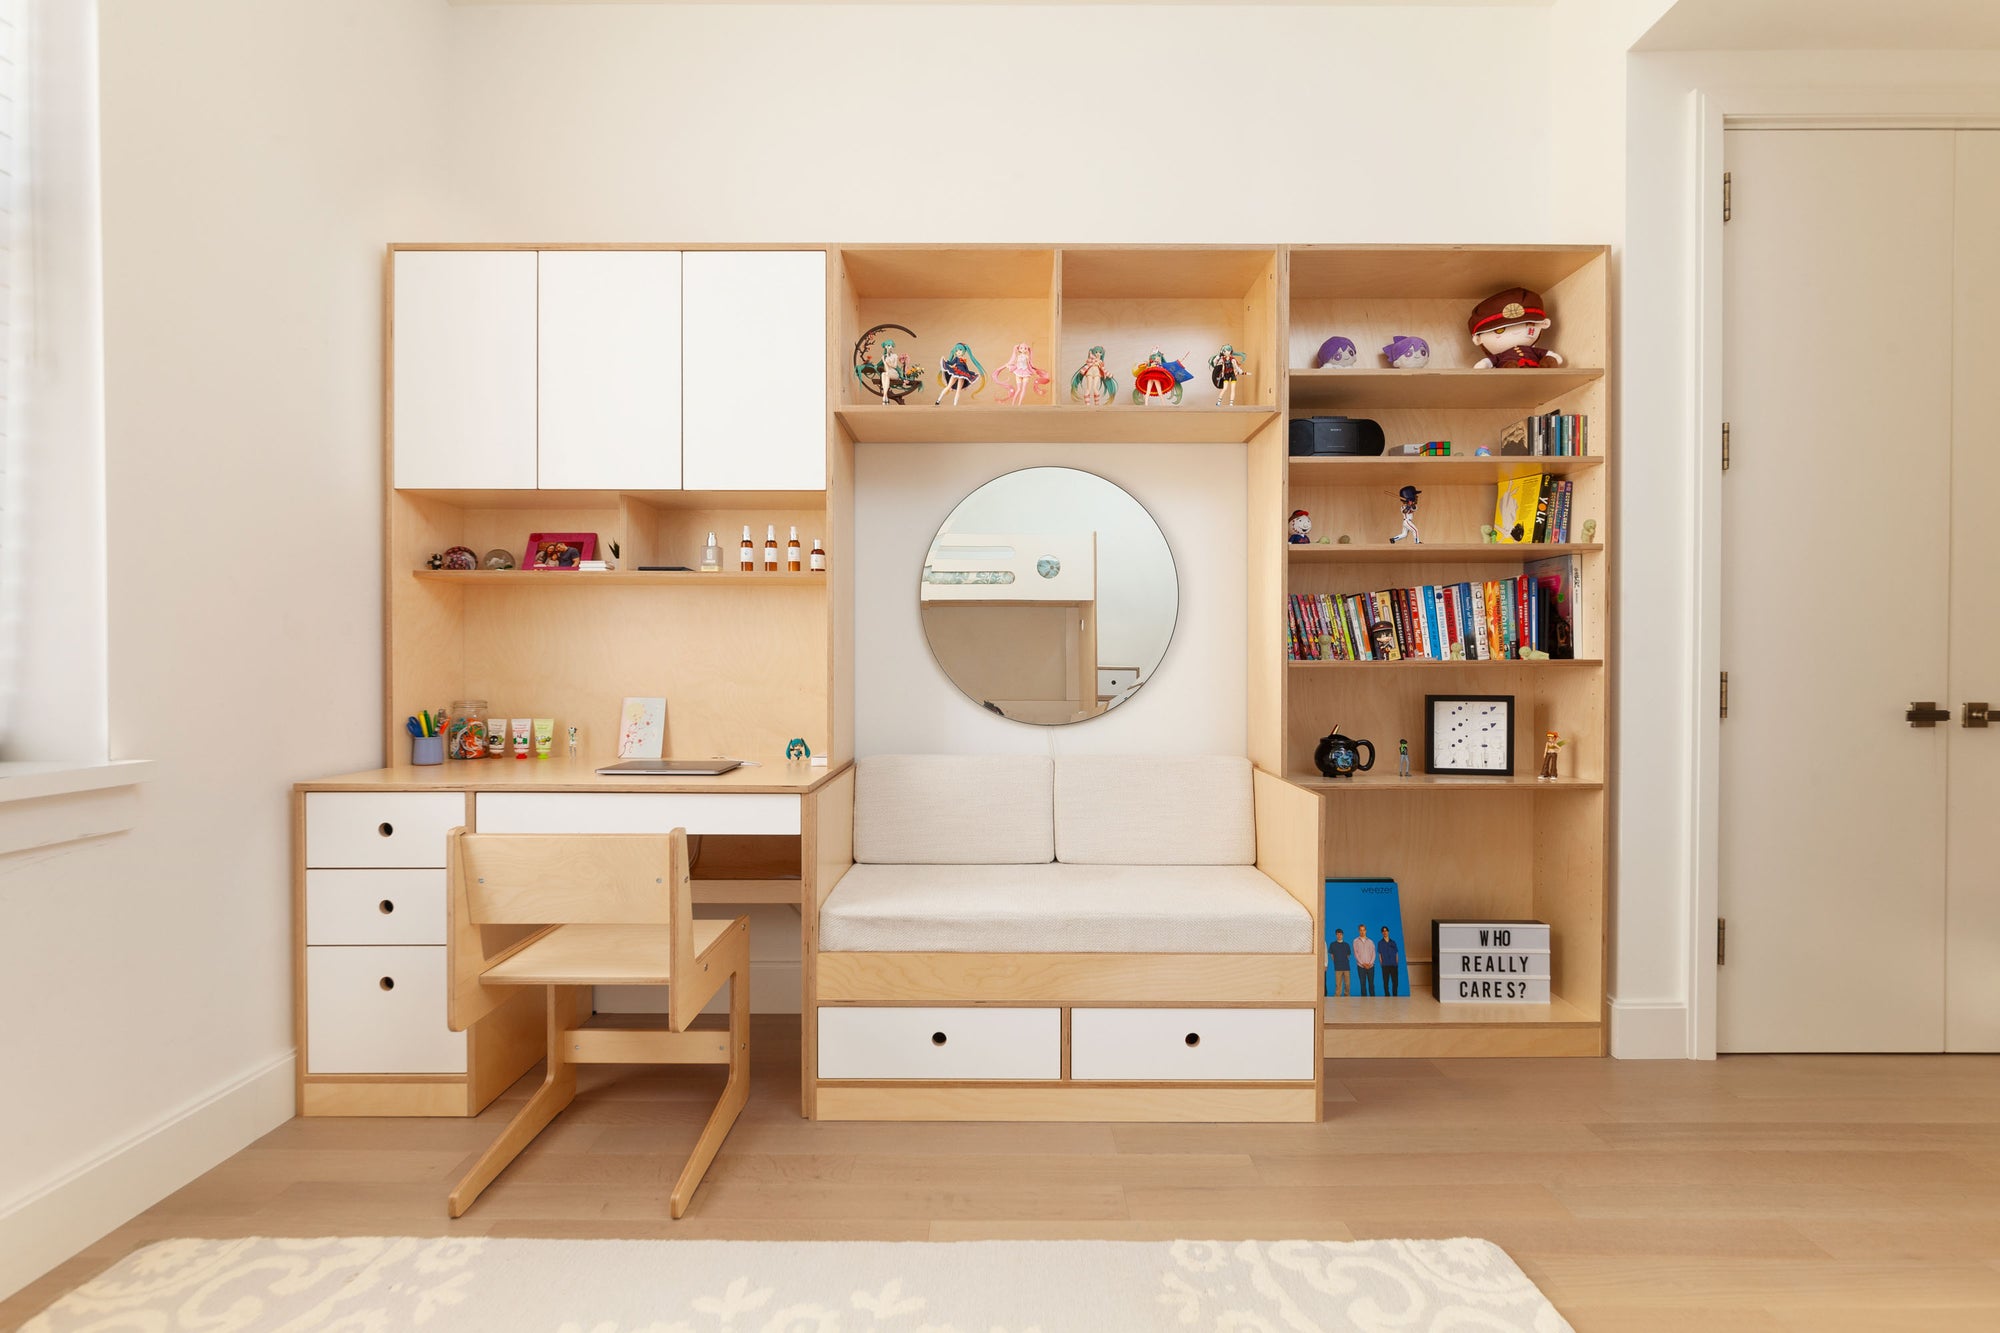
(671, 768)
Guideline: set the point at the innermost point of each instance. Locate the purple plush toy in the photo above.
(1336, 351)
(1407, 352)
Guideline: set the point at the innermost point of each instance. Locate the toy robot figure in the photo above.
(1019, 374)
(960, 370)
(1408, 495)
(1301, 528)
(1091, 386)
(1224, 369)
(1506, 325)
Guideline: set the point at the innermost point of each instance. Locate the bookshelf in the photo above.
(1505, 847)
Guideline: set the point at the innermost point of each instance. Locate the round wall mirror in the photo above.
(1049, 596)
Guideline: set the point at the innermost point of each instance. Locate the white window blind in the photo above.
(14, 332)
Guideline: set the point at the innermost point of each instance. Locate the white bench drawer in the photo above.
(1192, 1045)
(940, 1043)
(636, 812)
(368, 830)
(380, 1010)
(375, 907)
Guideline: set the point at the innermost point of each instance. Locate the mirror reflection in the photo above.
(1049, 596)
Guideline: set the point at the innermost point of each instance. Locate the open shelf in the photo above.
(1392, 472)
(617, 578)
(1377, 781)
(1061, 423)
(1404, 553)
(1452, 664)
(1357, 386)
(1431, 272)
(1420, 1010)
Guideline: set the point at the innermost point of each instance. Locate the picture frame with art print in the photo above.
(1469, 735)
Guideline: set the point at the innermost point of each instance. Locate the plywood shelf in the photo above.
(1420, 1010)
(1393, 472)
(617, 578)
(1467, 273)
(1359, 386)
(1453, 664)
(1497, 553)
(1059, 423)
(1431, 783)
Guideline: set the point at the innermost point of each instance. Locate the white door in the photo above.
(610, 406)
(1972, 941)
(753, 408)
(463, 332)
(1835, 550)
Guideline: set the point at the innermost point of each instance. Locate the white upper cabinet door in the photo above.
(753, 414)
(611, 370)
(464, 367)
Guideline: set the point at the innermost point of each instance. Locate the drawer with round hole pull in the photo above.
(372, 830)
(375, 907)
(940, 1043)
(379, 1010)
(1192, 1045)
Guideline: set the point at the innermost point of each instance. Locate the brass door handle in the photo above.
(1976, 714)
(1926, 713)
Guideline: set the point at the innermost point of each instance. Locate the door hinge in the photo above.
(1725, 196)
(1721, 941)
(1725, 446)
(1725, 694)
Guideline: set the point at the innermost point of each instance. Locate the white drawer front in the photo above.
(1153, 1045)
(636, 812)
(365, 829)
(355, 1024)
(940, 1043)
(375, 907)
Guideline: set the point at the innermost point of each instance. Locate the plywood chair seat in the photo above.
(567, 912)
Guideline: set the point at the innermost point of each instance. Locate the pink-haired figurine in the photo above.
(1018, 374)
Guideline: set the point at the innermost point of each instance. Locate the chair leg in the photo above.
(557, 1091)
(734, 1092)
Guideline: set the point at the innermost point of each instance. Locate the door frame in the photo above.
(1715, 111)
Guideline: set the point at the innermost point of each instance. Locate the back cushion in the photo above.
(950, 809)
(1167, 810)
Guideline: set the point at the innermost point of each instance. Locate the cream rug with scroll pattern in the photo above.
(478, 1285)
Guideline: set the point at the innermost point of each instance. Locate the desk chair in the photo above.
(566, 912)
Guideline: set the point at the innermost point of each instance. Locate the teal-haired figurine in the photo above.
(960, 370)
(1092, 384)
(1224, 369)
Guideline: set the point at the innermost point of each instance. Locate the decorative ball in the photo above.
(497, 558)
(460, 557)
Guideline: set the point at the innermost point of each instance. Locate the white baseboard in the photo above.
(40, 1229)
(1649, 1030)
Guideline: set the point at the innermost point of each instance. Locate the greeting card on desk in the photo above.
(1364, 939)
(642, 729)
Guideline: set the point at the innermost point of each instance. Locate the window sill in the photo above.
(47, 804)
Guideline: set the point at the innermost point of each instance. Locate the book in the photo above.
(1474, 622)
(1560, 580)
(1542, 497)
(1514, 508)
(1366, 957)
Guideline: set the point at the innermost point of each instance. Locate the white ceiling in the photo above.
(1820, 25)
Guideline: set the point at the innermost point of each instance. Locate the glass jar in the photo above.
(465, 737)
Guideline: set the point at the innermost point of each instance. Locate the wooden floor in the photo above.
(1822, 1193)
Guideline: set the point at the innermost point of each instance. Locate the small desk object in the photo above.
(370, 921)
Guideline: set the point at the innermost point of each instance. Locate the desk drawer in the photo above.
(636, 812)
(373, 1010)
(375, 907)
(1192, 1045)
(940, 1043)
(366, 829)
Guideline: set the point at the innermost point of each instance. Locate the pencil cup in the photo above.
(427, 749)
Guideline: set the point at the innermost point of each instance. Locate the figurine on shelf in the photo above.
(1406, 352)
(1553, 744)
(1489, 534)
(960, 370)
(1408, 495)
(1403, 758)
(1506, 325)
(796, 749)
(1019, 374)
(1301, 528)
(1589, 530)
(454, 558)
(1336, 351)
(883, 371)
(1159, 378)
(1224, 369)
(1092, 385)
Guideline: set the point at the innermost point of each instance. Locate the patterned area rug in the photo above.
(457, 1285)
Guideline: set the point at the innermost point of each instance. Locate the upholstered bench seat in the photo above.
(1056, 907)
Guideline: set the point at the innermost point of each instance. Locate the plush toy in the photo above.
(1336, 351)
(1506, 325)
(1302, 528)
(1407, 352)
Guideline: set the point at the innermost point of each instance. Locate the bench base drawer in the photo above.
(940, 1044)
(1192, 1045)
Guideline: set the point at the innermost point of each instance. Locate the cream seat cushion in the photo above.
(1058, 908)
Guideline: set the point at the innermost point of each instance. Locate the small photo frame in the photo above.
(559, 550)
(642, 729)
(1469, 735)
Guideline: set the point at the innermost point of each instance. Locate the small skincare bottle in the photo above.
(711, 557)
(771, 549)
(545, 737)
(792, 552)
(818, 557)
(524, 730)
(746, 555)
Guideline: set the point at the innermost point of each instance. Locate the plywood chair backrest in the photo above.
(508, 888)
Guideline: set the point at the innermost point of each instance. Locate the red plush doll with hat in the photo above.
(1506, 324)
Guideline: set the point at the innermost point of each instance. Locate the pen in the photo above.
(410, 725)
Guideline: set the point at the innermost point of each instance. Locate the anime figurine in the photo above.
(1301, 528)
(883, 371)
(960, 370)
(1091, 386)
(1553, 744)
(1159, 378)
(1019, 374)
(1224, 369)
(1506, 325)
(1403, 758)
(1336, 351)
(1408, 495)
(795, 748)
(1406, 352)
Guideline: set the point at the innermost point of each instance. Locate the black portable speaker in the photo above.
(1336, 437)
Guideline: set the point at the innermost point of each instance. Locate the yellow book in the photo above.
(1514, 509)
